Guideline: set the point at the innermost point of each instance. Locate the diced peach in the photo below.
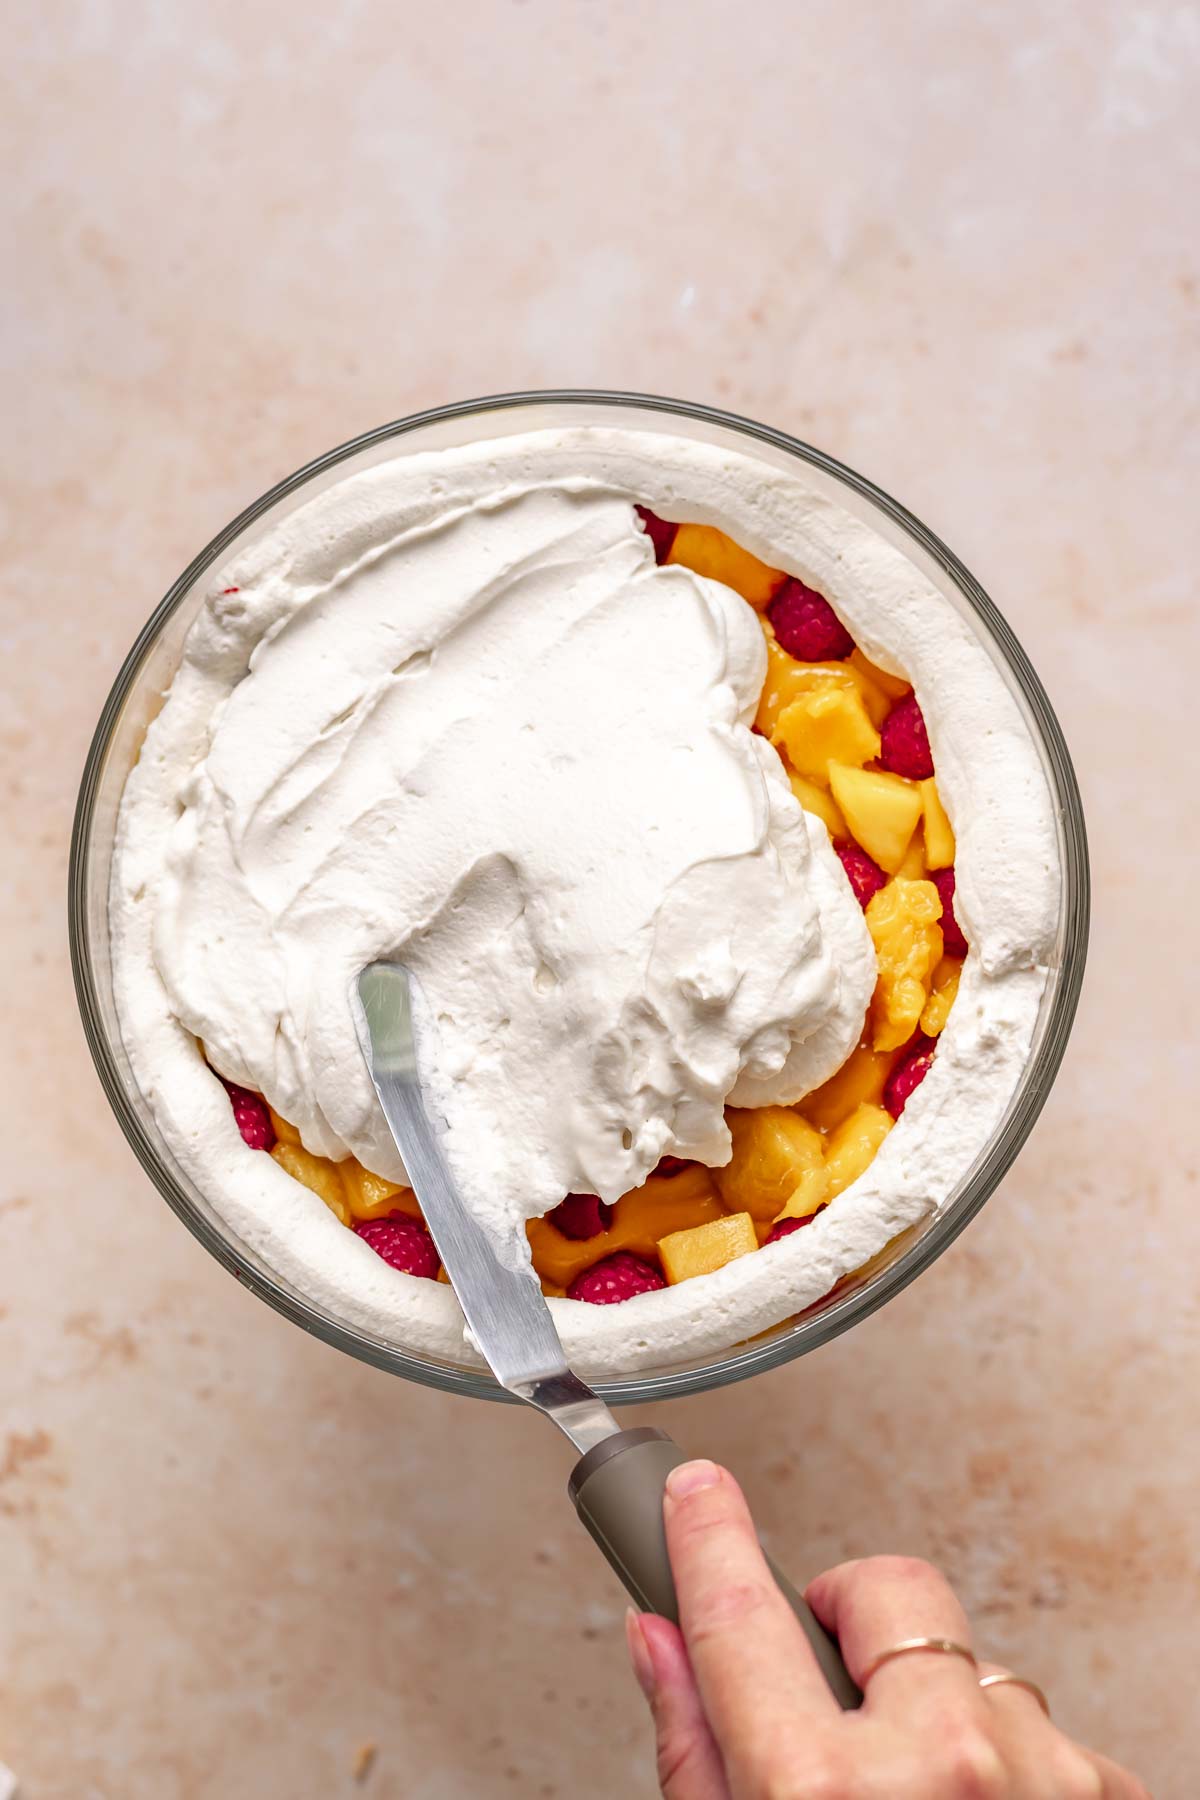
(881, 810)
(817, 800)
(942, 993)
(706, 1248)
(707, 551)
(662, 1204)
(810, 1193)
(788, 678)
(372, 1196)
(853, 1145)
(939, 833)
(829, 724)
(861, 1078)
(914, 867)
(772, 1148)
(317, 1173)
(284, 1132)
(784, 681)
(902, 919)
(894, 686)
(878, 703)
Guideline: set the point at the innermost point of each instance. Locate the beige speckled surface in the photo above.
(950, 245)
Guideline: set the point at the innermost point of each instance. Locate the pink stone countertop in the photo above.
(952, 246)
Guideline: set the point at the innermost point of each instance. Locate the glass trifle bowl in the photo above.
(146, 676)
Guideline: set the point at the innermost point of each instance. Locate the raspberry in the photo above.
(251, 1117)
(864, 874)
(786, 1227)
(670, 1165)
(402, 1242)
(905, 742)
(806, 626)
(953, 941)
(661, 532)
(615, 1278)
(907, 1076)
(581, 1216)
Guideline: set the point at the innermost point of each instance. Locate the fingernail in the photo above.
(639, 1653)
(690, 1477)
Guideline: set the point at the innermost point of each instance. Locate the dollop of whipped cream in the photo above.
(508, 750)
(448, 708)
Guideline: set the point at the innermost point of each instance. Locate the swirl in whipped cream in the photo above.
(449, 709)
(508, 750)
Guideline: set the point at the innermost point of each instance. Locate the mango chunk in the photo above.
(662, 1204)
(828, 724)
(881, 810)
(807, 1197)
(817, 800)
(706, 1248)
(853, 1145)
(707, 551)
(317, 1173)
(788, 678)
(284, 1132)
(939, 833)
(914, 867)
(772, 1149)
(902, 919)
(373, 1196)
(861, 1078)
(894, 686)
(942, 993)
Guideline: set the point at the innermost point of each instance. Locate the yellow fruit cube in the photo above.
(661, 1205)
(943, 990)
(784, 682)
(914, 866)
(705, 1248)
(788, 678)
(317, 1173)
(817, 800)
(939, 833)
(707, 551)
(894, 686)
(861, 1078)
(807, 1197)
(284, 1132)
(371, 1196)
(881, 810)
(772, 1148)
(902, 919)
(877, 702)
(853, 1145)
(829, 724)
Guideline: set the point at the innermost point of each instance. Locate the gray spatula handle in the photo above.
(617, 1489)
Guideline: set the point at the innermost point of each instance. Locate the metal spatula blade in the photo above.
(617, 1485)
(504, 1307)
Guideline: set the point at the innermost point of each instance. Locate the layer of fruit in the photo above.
(854, 745)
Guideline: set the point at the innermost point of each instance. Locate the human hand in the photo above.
(742, 1712)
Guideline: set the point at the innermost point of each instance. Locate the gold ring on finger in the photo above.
(1031, 1687)
(910, 1647)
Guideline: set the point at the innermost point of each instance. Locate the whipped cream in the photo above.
(449, 710)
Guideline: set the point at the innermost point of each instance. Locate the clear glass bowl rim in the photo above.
(846, 1309)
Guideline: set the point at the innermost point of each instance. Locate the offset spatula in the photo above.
(617, 1485)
